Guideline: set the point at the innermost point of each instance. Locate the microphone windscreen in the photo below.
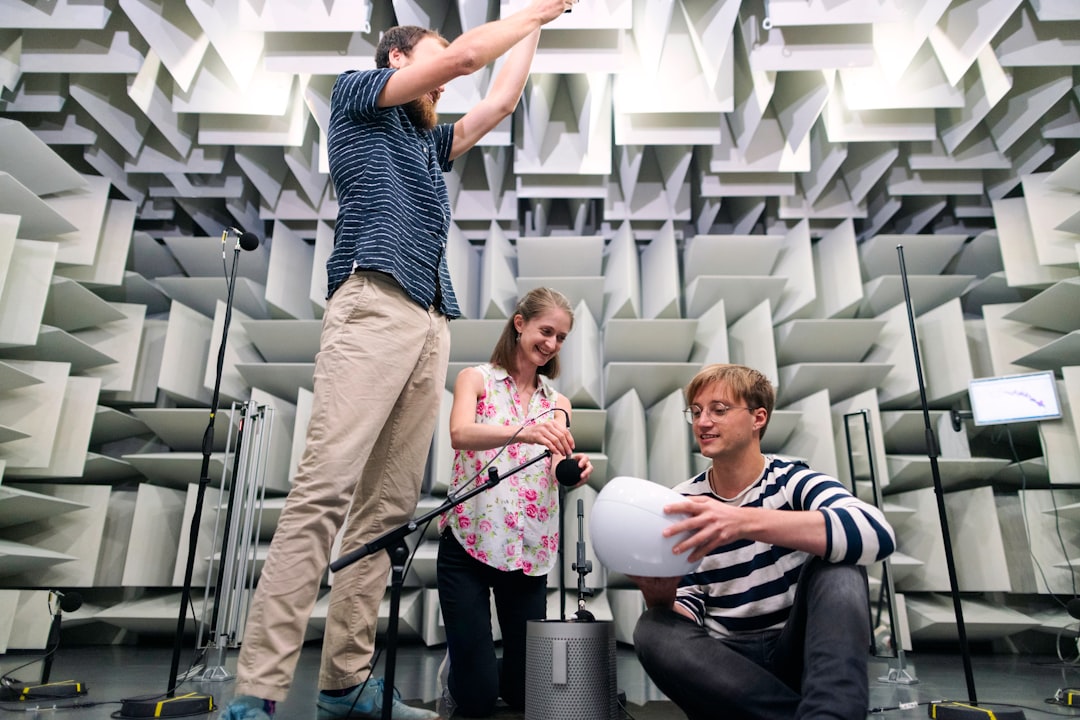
(249, 241)
(568, 472)
(71, 601)
(1073, 608)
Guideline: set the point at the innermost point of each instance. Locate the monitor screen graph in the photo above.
(1014, 398)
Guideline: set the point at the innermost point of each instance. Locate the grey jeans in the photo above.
(815, 667)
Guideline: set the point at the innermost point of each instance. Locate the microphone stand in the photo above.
(583, 567)
(562, 554)
(191, 703)
(932, 452)
(394, 543)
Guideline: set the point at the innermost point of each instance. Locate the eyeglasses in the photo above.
(714, 411)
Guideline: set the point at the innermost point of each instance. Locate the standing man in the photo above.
(774, 623)
(383, 353)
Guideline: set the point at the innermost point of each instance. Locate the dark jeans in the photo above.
(476, 679)
(815, 667)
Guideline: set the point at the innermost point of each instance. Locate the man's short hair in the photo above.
(404, 38)
(746, 385)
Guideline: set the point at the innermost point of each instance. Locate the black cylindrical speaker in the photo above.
(570, 670)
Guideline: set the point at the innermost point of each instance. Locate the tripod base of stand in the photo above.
(963, 711)
(64, 690)
(214, 671)
(899, 676)
(214, 674)
(158, 707)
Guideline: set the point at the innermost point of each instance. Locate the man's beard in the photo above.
(421, 112)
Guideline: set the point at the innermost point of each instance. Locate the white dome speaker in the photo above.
(626, 527)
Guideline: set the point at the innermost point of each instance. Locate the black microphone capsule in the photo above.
(249, 241)
(568, 472)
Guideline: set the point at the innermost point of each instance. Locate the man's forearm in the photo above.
(510, 82)
(483, 44)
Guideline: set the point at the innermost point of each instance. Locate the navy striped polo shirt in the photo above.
(393, 208)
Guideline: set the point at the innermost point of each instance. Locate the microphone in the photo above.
(568, 472)
(245, 240)
(69, 601)
(1073, 608)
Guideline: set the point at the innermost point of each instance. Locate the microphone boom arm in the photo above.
(394, 536)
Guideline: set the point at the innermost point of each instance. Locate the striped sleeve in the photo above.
(858, 533)
(443, 137)
(357, 93)
(691, 600)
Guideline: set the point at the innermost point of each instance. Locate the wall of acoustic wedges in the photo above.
(707, 182)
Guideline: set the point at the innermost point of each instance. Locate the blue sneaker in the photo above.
(367, 705)
(246, 707)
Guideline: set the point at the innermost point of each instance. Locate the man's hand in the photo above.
(548, 10)
(711, 524)
(658, 592)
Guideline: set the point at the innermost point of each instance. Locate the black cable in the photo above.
(911, 705)
(6, 678)
(51, 708)
(621, 700)
(528, 422)
(1027, 532)
(1053, 501)
(901, 706)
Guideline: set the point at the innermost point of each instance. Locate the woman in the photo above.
(505, 539)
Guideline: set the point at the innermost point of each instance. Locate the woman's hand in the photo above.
(554, 436)
(585, 466)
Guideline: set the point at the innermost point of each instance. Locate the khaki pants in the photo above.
(379, 377)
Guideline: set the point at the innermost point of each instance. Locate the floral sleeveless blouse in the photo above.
(514, 525)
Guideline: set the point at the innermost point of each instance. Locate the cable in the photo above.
(528, 422)
(7, 679)
(911, 705)
(1027, 533)
(621, 700)
(901, 706)
(56, 708)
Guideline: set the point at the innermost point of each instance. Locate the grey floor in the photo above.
(115, 673)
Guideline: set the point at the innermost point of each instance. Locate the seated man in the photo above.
(775, 621)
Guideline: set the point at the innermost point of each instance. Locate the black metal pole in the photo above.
(53, 643)
(932, 453)
(562, 554)
(399, 555)
(204, 481)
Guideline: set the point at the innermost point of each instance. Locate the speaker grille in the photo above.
(589, 690)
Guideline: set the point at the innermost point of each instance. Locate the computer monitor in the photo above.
(1014, 398)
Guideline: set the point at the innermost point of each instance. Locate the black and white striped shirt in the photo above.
(393, 208)
(749, 586)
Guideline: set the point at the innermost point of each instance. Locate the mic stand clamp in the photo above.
(394, 543)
